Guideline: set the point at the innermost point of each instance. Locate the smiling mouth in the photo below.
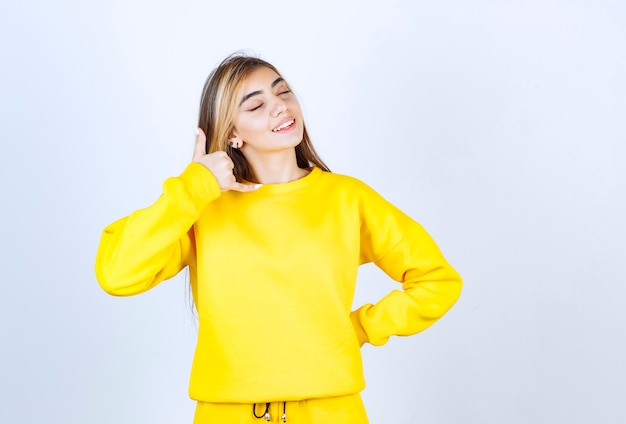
(285, 125)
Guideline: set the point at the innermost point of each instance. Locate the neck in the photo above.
(275, 167)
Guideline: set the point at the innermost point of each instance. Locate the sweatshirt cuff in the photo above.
(200, 183)
(356, 324)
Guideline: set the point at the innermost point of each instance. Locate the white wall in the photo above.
(499, 125)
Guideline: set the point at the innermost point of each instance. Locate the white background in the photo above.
(499, 125)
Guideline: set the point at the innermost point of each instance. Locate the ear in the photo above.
(233, 135)
(234, 140)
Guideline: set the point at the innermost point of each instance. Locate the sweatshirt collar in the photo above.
(294, 185)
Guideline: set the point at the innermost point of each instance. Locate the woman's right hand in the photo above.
(220, 165)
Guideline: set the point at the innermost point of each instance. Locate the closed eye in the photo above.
(255, 108)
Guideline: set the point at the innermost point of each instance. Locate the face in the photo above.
(267, 115)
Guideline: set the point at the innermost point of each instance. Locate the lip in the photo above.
(289, 128)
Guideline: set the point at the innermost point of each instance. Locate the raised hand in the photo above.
(220, 165)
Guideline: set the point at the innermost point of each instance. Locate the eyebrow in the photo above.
(254, 93)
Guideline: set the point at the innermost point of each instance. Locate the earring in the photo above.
(234, 144)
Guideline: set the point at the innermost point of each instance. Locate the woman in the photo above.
(273, 241)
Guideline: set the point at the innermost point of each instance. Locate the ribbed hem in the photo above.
(201, 184)
(355, 316)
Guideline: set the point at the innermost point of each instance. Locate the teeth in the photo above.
(283, 126)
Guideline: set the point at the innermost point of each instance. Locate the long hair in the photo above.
(217, 109)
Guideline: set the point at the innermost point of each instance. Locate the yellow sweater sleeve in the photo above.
(153, 244)
(407, 253)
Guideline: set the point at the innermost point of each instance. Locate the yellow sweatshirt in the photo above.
(273, 275)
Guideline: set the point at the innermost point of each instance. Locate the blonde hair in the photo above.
(217, 109)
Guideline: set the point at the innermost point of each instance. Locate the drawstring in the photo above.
(266, 414)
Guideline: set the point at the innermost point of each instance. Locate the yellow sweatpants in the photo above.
(336, 410)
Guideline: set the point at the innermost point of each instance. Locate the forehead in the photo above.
(259, 79)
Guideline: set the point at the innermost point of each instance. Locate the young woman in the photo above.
(273, 241)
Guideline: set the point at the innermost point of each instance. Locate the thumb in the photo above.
(244, 187)
(200, 148)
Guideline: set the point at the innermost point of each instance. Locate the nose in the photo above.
(279, 108)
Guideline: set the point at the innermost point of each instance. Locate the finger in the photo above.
(200, 148)
(245, 187)
(225, 160)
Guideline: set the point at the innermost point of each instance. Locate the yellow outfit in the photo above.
(336, 410)
(273, 275)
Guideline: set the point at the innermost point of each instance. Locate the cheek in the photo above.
(295, 106)
(249, 125)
